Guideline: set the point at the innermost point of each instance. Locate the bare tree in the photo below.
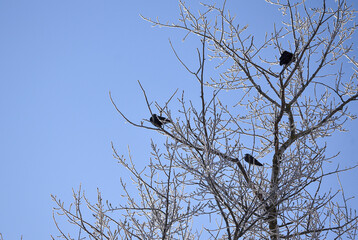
(198, 185)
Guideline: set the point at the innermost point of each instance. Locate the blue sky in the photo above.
(58, 61)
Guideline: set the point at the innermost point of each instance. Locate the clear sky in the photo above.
(58, 61)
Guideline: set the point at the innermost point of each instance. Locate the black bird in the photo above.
(251, 160)
(158, 121)
(286, 58)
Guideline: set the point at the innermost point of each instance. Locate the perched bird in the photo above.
(286, 58)
(158, 121)
(251, 160)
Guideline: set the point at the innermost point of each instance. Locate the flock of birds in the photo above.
(158, 121)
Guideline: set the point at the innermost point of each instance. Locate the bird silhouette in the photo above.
(286, 58)
(158, 121)
(251, 160)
